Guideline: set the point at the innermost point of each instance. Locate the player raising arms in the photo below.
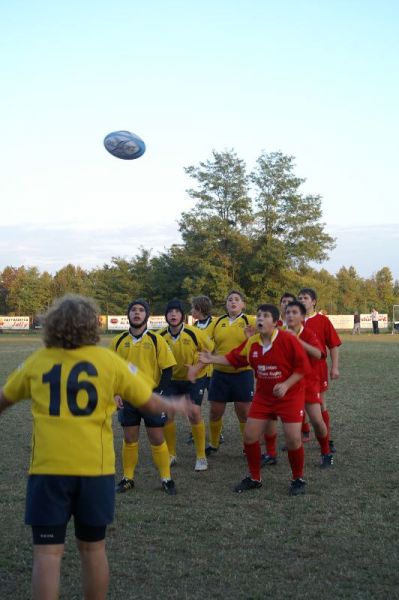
(325, 331)
(72, 384)
(185, 342)
(279, 362)
(227, 383)
(152, 355)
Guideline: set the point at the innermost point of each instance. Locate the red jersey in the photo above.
(312, 380)
(272, 364)
(329, 338)
(324, 329)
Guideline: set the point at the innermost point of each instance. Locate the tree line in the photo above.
(253, 231)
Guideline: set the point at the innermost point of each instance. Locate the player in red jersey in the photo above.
(279, 363)
(325, 331)
(295, 314)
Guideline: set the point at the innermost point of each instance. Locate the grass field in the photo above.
(340, 541)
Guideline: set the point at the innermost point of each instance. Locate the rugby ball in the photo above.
(124, 144)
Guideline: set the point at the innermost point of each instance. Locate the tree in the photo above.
(385, 290)
(349, 290)
(287, 231)
(215, 231)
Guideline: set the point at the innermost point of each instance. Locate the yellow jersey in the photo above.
(207, 326)
(150, 353)
(228, 333)
(72, 393)
(185, 347)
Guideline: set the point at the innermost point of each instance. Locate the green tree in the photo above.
(215, 231)
(385, 290)
(349, 290)
(284, 216)
(70, 279)
(30, 292)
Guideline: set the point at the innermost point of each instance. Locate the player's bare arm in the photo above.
(171, 406)
(334, 355)
(207, 358)
(311, 350)
(280, 389)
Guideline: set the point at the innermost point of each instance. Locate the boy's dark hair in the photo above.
(270, 308)
(203, 304)
(299, 305)
(309, 291)
(236, 292)
(287, 295)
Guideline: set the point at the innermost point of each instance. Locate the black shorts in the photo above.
(195, 391)
(51, 500)
(231, 387)
(130, 416)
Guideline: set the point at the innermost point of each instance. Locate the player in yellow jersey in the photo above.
(72, 384)
(185, 342)
(152, 355)
(229, 384)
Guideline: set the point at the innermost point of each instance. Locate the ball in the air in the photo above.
(124, 144)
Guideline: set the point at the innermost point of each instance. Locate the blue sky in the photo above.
(314, 79)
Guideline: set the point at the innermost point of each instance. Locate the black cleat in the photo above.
(297, 487)
(267, 460)
(124, 485)
(327, 461)
(221, 439)
(210, 450)
(332, 447)
(247, 484)
(190, 439)
(168, 485)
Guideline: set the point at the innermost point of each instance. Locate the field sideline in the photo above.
(340, 541)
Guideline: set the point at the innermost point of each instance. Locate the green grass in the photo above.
(337, 542)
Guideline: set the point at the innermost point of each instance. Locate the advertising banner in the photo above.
(121, 322)
(341, 321)
(365, 321)
(14, 323)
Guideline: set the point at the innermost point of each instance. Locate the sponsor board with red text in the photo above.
(121, 322)
(14, 323)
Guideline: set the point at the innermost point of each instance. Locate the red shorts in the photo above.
(323, 366)
(290, 411)
(312, 393)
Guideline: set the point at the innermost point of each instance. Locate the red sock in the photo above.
(324, 445)
(270, 443)
(305, 426)
(297, 462)
(252, 452)
(326, 418)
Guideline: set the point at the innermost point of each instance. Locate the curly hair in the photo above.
(71, 322)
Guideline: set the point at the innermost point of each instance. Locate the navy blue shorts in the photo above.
(231, 387)
(53, 499)
(195, 391)
(129, 416)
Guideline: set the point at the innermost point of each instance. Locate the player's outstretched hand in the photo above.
(177, 405)
(280, 389)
